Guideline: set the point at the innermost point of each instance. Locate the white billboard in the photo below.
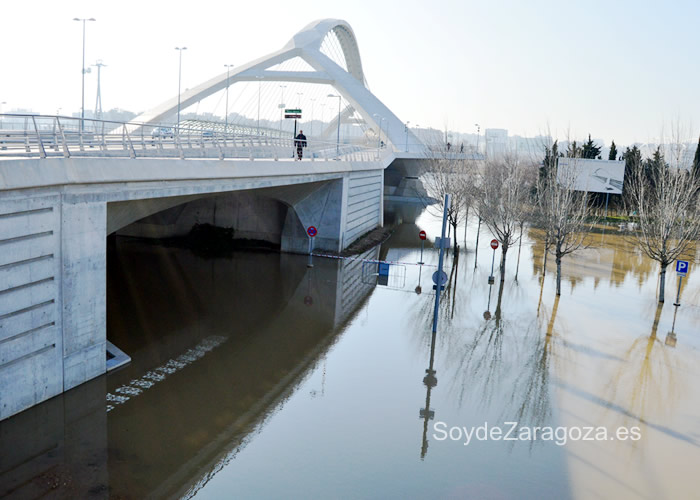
(594, 176)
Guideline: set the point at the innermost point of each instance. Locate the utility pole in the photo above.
(98, 100)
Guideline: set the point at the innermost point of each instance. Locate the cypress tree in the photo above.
(590, 150)
(613, 152)
(696, 162)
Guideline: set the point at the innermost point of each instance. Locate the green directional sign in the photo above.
(293, 111)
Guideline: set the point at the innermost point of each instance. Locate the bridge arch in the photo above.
(348, 80)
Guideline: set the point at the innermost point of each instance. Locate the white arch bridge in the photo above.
(66, 184)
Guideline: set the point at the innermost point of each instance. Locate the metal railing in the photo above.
(46, 136)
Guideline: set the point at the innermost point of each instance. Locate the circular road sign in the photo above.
(494, 244)
(441, 277)
(311, 231)
(422, 235)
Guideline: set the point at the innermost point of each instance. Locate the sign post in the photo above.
(296, 114)
(682, 271)
(311, 231)
(442, 254)
(422, 237)
(494, 245)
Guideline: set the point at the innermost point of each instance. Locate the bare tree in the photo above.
(562, 213)
(668, 212)
(449, 174)
(502, 197)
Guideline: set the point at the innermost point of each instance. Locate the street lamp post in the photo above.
(179, 84)
(337, 142)
(259, 78)
(478, 133)
(82, 100)
(282, 87)
(1, 105)
(228, 72)
(311, 133)
(379, 138)
(406, 128)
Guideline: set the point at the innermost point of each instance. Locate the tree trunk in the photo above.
(503, 262)
(558, 259)
(520, 244)
(476, 246)
(466, 223)
(662, 283)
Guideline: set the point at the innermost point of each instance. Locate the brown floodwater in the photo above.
(255, 376)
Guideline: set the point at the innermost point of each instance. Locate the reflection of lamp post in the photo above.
(82, 101)
(228, 72)
(430, 381)
(337, 143)
(179, 82)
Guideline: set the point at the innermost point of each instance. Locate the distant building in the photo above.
(496, 141)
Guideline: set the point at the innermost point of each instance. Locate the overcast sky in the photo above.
(620, 70)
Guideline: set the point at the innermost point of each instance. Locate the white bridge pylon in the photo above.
(306, 44)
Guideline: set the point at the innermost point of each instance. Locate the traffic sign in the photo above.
(494, 244)
(312, 231)
(422, 235)
(682, 267)
(442, 278)
(294, 111)
(295, 115)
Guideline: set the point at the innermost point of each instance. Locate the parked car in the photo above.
(164, 132)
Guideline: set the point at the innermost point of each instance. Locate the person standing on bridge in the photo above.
(300, 143)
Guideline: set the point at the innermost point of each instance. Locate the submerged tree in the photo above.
(503, 190)
(447, 174)
(665, 202)
(562, 213)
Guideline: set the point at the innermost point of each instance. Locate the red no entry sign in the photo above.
(311, 231)
(494, 244)
(422, 235)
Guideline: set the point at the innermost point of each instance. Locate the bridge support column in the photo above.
(322, 208)
(84, 290)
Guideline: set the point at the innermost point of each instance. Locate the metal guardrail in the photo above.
(46, 136)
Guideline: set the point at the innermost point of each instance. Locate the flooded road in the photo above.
(254, 376)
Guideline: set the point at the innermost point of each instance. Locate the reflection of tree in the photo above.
(532, 387)
(647, 382)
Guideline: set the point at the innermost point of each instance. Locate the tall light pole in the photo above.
(98, 98)
(259, 78)
(82, 100)
(312, 117)
(337, 142)
(179, 85)
(228, 72)
(1, 105)
(406, 128)
(379, 138)
(478, 133)
(282, 87)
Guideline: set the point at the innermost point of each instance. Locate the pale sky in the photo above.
(620, 70)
